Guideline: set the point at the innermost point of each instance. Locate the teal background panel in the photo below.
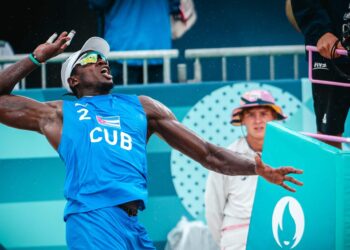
(32, 224)
(309, 219)
(36, 179)
(15, 144)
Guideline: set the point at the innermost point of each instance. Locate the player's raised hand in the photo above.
(53, 46)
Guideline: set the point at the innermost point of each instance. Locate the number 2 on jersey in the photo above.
(84, 115)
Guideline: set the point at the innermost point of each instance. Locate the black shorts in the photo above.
(331, 103)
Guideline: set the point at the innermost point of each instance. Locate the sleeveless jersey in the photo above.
(103, 146)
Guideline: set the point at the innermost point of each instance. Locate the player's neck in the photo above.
(91, 93)
(254, 143)
(88, 89)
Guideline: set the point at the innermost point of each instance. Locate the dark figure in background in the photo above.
(136, 25)
(101, 138)
(326, 24)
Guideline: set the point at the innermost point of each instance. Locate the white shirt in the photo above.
(229, 201)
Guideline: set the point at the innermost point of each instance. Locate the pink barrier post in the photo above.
(311, 49)
(328, 137)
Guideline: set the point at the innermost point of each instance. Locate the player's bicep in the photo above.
(21, 112)
(183, 139)
(164, 123)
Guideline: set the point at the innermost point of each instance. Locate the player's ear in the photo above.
(73, 81)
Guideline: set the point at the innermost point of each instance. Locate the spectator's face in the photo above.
(255, 120)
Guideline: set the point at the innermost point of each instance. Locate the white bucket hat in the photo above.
(93, 43)
(255, 98)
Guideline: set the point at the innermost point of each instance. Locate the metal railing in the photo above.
(247, 52)
(144, 55)
(196, 54)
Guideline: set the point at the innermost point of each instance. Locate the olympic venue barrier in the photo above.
(317, 215)
(32, 175)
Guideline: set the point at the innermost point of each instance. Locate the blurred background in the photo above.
(219, 24)
(31, 177)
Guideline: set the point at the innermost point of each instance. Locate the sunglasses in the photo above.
(90, 57)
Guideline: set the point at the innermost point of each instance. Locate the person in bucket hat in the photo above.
(229, 199)
(101, 137)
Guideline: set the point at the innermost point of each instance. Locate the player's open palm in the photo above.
(277, 175)
(52, 47)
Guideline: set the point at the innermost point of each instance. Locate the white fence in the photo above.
(196, 54)
(247, 52)
(145, 55)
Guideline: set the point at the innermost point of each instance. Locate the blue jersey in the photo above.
(103, 146)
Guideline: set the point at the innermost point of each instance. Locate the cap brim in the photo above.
(236, 113)
(96, 44)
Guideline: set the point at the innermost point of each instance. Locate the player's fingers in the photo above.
(291, 170)
(52, 38)
(287, 187)
(340, 46)
(63, 38)
(70, 35)
(258, 161)
(291, 179)
(62, 35)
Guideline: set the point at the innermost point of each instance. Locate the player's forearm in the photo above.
(225, 161)
(14, 73)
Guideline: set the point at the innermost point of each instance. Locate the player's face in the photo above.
(92, 70)
(255, 120)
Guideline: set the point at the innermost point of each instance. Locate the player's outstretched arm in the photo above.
(162, 122)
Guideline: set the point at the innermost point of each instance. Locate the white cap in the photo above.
(93, 43)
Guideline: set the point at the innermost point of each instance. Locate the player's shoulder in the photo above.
(56, 105)
(129, 98)
(154, 108)
(146, 99)
(148, 102)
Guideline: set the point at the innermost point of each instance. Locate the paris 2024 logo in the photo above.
(288, 224)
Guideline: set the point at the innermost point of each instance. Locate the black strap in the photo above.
(131, 208)
(336, 68)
